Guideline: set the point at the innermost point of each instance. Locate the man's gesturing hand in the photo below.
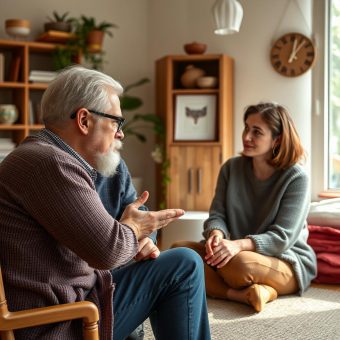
(144, 223)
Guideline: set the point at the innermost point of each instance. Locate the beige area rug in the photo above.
(314, 316)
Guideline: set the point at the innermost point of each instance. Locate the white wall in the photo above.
(150, 29)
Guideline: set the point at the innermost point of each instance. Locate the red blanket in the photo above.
(326, 243)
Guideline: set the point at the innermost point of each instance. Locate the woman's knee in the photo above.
(238, 271)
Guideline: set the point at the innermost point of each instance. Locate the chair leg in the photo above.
(90, 331)
(7, 335)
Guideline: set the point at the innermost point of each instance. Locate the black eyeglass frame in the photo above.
(120, 120)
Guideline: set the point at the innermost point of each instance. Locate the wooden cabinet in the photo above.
(20, 57)
(194, 161)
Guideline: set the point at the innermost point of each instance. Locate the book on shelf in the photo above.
(2, 67)
(41, 76)
(15, 68)
(31, 113)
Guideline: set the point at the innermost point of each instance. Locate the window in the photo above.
(325, 148)
(334, 95)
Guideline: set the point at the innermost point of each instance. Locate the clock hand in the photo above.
(292, 55)
(297, 50)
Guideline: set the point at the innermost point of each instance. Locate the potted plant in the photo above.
(59, 22)
(139, 122)
(91, 33)
(85, 28)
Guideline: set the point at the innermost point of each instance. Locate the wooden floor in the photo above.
(324, 286)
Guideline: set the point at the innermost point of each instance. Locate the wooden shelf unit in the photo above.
(20, 58)
(194, 165)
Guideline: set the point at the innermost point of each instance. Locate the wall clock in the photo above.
(293, 54)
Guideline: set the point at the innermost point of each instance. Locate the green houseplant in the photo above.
(138, 123)
(89, 35)
(59, 22)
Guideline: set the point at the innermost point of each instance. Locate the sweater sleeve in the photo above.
(217, 212)
(288, 225)
(61, 196)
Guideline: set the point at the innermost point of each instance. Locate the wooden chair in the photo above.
(10, 321)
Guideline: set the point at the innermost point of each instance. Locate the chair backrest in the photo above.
(10, 321)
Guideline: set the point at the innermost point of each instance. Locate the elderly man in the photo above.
(59, 244)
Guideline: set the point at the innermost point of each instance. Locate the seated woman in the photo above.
(256, 234)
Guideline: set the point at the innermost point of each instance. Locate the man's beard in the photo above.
(107, 163)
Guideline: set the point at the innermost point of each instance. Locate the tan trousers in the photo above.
(243, 270)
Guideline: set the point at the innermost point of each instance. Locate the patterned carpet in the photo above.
(314, 316)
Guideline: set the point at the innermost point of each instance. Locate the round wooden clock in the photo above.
(293, 54)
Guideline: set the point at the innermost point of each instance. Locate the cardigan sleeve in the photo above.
(61, 196)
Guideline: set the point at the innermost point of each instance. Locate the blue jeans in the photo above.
(170, 290)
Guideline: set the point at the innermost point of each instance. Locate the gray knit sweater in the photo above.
(57, 240)
(272, 213)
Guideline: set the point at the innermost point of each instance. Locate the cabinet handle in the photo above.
(190, 181)
(199, 180)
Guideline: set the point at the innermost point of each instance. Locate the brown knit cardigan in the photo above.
(57, 241)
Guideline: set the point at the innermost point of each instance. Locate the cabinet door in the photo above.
(193, 173)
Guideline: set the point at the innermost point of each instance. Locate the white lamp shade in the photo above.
(228, 16)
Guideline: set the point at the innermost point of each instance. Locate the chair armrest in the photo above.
(40, 316)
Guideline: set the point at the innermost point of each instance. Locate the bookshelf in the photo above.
(195, 154)
(19, 58)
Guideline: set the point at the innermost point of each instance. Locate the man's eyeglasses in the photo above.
(119, 120)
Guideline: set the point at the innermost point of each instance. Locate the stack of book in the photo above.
(41, 76)
(6, 146)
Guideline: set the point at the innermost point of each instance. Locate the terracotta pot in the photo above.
(190, 76)
(95, 41)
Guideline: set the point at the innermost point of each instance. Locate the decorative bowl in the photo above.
(206, 82)
(195, 48)
(8, 113)
(18, 27)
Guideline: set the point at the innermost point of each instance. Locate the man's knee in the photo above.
(186, 259)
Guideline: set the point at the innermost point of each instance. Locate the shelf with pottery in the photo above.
(17, 93)
(194, 96)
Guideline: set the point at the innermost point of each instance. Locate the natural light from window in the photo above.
(334, 96)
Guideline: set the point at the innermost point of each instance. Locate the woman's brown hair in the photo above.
(288, 151)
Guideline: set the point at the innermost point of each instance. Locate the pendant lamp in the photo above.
(228, 16)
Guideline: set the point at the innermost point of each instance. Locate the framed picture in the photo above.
(195, 117)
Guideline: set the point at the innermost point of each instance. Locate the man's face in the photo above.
(107, 140)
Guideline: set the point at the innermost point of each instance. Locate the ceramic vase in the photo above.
(190, 76)
(8, 113)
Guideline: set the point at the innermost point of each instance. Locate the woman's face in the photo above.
(257, 138)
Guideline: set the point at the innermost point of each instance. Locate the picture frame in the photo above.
(195, 117)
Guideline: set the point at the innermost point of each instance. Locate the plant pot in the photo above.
(58, 26)
(95, 41)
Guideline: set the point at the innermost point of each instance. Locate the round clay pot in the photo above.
(8, 113)
(190, 76)
(195, 48)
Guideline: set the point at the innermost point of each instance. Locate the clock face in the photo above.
(293, 54)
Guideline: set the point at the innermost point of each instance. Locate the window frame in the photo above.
(321, 97)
